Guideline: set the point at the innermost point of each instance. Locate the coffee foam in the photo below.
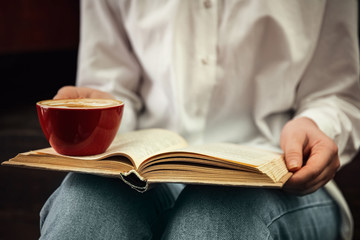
(80, 103)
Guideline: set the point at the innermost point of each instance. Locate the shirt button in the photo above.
(207, 4)
(204, 61)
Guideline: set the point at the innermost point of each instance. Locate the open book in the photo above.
(151, 156)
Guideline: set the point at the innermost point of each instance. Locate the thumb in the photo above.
(293, 156)
(293, 146)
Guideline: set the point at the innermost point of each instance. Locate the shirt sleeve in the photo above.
(329, 90)
(106, 61)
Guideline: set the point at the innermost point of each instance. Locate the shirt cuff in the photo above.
(325, 119)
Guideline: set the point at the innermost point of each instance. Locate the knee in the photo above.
(92, 207)
(79, 192)
(207, 212)
(212, 202)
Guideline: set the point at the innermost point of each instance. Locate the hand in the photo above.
(310, 154)
(81, 92)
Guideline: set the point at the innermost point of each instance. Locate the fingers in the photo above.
(68, 92)
(96, 93)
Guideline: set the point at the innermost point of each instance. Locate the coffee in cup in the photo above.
(79, 127)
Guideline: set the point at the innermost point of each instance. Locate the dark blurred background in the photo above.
(38, 54)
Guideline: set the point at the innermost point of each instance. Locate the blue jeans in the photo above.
(92, 207)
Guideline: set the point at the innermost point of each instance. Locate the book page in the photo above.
(136, 145)
(143, 144)
(245, 155)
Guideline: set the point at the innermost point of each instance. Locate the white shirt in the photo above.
(233, 71)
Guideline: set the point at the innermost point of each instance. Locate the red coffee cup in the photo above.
(80, 127)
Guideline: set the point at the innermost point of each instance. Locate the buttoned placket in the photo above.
(207, 56)
(195, 57)
(207, 4)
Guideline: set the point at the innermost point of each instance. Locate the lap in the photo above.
(91, 207)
